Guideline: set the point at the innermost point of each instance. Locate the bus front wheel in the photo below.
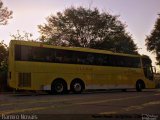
(58, 87)
(139, 86)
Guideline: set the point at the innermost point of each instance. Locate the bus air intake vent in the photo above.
(24, 79)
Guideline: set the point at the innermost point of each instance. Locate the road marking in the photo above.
(72, 104)
(36, 101)
(49, 107)
(152, 103)
(32, 109)
(136, 107)
(46, 101)
(130, 108)
(157, 94)
(109, 100)
(24, 110)
(108, 113)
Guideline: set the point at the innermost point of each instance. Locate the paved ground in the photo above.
(89, 105)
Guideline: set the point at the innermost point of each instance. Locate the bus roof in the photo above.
(40, 44)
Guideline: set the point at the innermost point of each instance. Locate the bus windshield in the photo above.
(147, 67)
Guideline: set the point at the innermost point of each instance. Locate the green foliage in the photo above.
(3, 57)
(83, 27)
(153, 40)
(5, 14)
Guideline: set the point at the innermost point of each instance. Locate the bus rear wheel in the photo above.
(77, 86)
(58, 87)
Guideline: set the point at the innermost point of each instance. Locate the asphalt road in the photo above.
(89, 105)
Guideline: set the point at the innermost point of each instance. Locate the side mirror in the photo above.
(154, 69)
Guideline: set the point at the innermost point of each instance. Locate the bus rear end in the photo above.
(11, 66)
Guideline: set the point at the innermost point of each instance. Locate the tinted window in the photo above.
(28, 53)
(40, 54)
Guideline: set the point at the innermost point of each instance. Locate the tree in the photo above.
(153, 40)
(26, 36)
(3, 57)
(3, 66)
(83, 27)
(5, 14)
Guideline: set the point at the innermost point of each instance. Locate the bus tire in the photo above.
(59, 86)
(77, 86)
(140, 85)
(124, 90)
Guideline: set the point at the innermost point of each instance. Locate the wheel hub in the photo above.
(77, 87)
(59, 87)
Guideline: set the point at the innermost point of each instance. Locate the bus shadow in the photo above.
(87, 92)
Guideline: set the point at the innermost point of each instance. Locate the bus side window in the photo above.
(105, 60)
(111, 60)
(80, 58)
(58, 56)
(17, 52)
(90, 59)
(99, 59)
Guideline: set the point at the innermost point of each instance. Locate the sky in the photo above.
(138, 15)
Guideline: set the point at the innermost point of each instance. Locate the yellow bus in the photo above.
(36, 66)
